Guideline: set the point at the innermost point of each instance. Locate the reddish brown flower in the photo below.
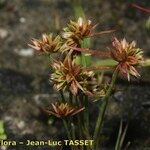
(69, 75)
(63, 110)
(78, 30)
(127, 55)
(75, 32)
(47, 44)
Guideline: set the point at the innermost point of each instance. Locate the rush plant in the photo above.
(79, 84)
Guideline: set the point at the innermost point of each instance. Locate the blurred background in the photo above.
(24, 75)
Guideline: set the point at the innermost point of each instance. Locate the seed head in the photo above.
(78, 30)
(63, 110)
(127, 55)
(69, 75)
(75, 32)
(48, 44)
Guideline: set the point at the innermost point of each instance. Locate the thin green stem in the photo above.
(86, 114)
(70, 98)
(65, 122)
(78, 10)
(79, 119)
(71, 120)
(119, 137)
(67, 128)
(73, 131)
(62, 96)
(102, 110)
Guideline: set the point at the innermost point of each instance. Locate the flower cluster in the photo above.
(48, 44)
(77, 31)
(63, 110)
(127, 55)
(69, 75)
(77, 78)
(71, 36)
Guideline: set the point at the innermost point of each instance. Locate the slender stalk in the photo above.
(62, 96)
(86, 114)
(67, 128)
(65, 122)
(84, 118)
(119, 137)
(78, 10)
(102, 109)
(68, 123)
(71, 120)
(73, 130)
(79, 119)
(70, 98)
(123, 136)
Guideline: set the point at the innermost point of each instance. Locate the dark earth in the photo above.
(24, 75)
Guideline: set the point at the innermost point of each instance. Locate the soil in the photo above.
(24, 84)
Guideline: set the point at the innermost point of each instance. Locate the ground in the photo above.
(24, 84)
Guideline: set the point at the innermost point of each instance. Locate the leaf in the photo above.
(106, 62)
(86, 60)
(78, 10)
(2, 132)
(121, 136)
(1, 127)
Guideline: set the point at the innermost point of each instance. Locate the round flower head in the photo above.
(127, 55)
(48, 44)
(63, 110)
(69, 75)
(78, 30)
(75, 32)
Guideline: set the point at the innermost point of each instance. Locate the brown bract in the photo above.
(69, 75)
(63, 110)
(128, 57)
(75, 32)
(78, 30)
(47, 44)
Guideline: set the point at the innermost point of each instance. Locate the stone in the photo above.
(25, 52)
(3, 33)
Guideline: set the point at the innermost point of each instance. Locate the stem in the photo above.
(67, 128)
(79, 119)
(119, 137)
(70, 98)
(62, 96)
(102, 109)
(86, 114)
(65, 122)
(73, 131)
(71, 120)
(68, 122)
(84, 118)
